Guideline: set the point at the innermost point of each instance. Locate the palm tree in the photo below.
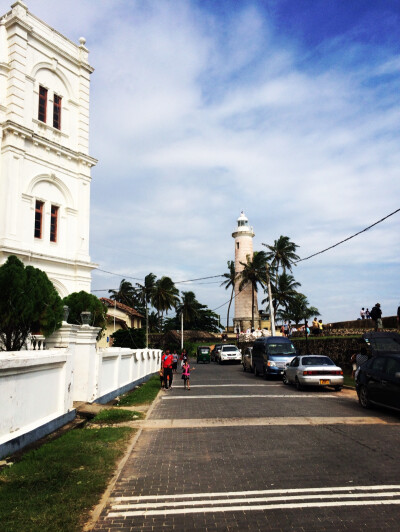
(299, 309)
(144, 291)
(189, 307)
(283, 292)
(230, 280)
(164, 296)
(253, 273)
(125, 293)
(282, 254)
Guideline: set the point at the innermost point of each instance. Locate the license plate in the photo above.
(324, 381)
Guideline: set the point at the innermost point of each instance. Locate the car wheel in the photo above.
(299, 387)
(337, 388)
(285, 380)
(363, 397)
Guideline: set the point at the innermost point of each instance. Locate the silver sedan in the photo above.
(313, 370)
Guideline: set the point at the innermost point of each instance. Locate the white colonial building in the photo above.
(44, 157)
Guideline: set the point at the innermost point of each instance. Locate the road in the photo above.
(237, 452)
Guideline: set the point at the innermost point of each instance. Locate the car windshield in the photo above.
(281, 349)
(384, 344)
(317, 361)
(204, 351)
(229, 349)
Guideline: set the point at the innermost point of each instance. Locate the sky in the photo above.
(286, 109)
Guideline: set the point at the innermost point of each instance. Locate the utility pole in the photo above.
(147, 327)
(182, 330)
(271, 306)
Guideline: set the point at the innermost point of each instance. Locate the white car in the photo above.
(313, 370)
(229, 352)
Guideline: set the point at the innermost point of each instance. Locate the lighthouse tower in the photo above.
(243, 236)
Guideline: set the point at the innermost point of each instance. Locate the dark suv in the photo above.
(378, 381)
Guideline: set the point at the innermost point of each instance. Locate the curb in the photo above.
(96, 512)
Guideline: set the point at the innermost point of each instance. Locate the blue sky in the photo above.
(286, 109)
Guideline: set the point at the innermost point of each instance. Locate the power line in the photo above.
(348, 238)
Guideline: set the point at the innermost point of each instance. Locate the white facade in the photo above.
(44, 150)
(243, 236)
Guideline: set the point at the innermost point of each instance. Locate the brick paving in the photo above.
(191, 470)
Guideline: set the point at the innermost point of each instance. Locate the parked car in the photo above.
(271, 354)
(229, 353)
(313, 370)
(381, 343)
(247, 359)
(203, 354)
(215, 351)
(378, 382)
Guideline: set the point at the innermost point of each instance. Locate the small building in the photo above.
(119, 316)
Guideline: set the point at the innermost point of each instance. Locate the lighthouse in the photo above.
(243, 236)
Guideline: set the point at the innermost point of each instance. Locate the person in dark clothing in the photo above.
(376, 315)
(398, 318)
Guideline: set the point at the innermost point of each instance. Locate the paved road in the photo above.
(237, 452)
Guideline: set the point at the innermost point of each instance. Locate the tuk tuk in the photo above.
(203, 354)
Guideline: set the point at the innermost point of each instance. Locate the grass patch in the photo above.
(54, 487)
(116, 415)
(143, 394)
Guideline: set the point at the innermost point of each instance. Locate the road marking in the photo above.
(253, 499)
(241, 501)
(157, 424)
(234, 385)
(260, 507)
(253, 396)
(259, 492)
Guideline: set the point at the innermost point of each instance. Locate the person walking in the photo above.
(362, 313)
(376, 315)
(175, 357)
(183, 358)
(186, 375)
(167, 362)
(358, 360)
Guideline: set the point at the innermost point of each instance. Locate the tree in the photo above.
(164, 296)
(145, 291)
(298, 309)
(78, 302)
(253, 273)
(283, 292)
(28, 303)
(189, 307)
(132, 338)
(230, 280)
(125, 293)
(282, 254)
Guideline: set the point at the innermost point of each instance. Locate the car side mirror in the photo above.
(397, 375)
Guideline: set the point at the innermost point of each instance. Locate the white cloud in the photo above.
(194, 118)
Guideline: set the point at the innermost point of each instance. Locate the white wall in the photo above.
(35, 389)
(38, 388)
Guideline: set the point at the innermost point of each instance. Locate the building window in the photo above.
(53, 223)
(38, 218)
(57, 112)
(42, 104)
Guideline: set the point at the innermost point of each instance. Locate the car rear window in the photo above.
(317, 361)
(384, 344)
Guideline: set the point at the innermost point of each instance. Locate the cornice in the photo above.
(49, 258)
(25, 132)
